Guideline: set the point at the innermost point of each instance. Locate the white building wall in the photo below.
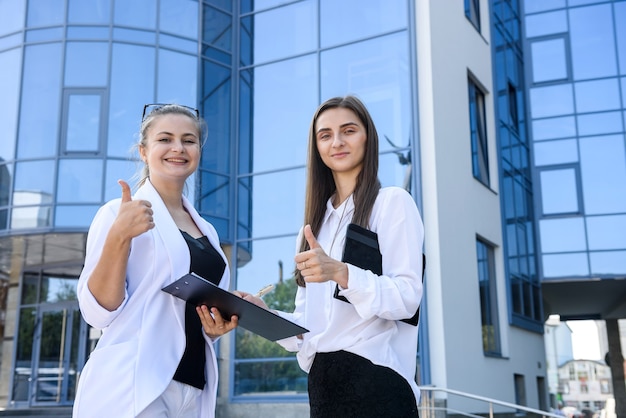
(457, 208)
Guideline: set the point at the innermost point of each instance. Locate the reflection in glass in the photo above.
(597, 95)
(488, 297)
(39, 113)
(478, 133)
(565, 265)
(23, 354)
(619, 9)
(272, 262)
(554, 128)
(39, 35)
(546, 24)
(608, 263)
(135, 13)
(10, 62)
(603, 174)
(551, 101)
(278, 203)
(380, 16)
(559, 193)
(177, 78)
(131, 87)
(88, 32)
(377, 71)
(12, 16)
(89, 11)
(274, 86)
(118, 169)
(549, 61)
(83, 123)
(395, 169)
(556, 152)
(562, 234)
(86, 64)
(602, 232)
(274, 31)
(74, 216)
(533, 6)
(76, 187)
(34, 182)
(271, 377)
(57, 289)
(42, 12)
(179, 17)
(592, 42)
(600, 123)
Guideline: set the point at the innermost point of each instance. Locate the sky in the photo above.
(585, 340)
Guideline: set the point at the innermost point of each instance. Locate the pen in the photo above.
(264, 290)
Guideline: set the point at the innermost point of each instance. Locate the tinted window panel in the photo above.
(74, 186)
(83, 123)
(551, 101)
(115, 170)
(395, 169)
(561, 235)
(10, 62)
(565, 265)
(546, 24)
(597, 96)
(179, 17)
(556, 152)
(593, 42)
(620, 16)
(602, 232)
(270, 258)
(274, 31)
(137, 13)
(86, 64)
(380, 16)
(554, 128)
(74, 216)
(178, 75)
(549, 61)
(12, 16)
(559, 193)
(603, 172)
(89, 11)
(533, 6)
(39, 115)
(284, 144)
(608, 263)
(600, 123)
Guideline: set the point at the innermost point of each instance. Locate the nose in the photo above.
(177, 145)
(337, 141)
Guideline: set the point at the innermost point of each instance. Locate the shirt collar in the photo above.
(349, 210)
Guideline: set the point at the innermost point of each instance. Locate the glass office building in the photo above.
(77, 73)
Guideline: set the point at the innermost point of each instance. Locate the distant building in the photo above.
(558, 341)
(585, 384)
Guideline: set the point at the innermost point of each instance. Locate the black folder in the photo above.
(362, 250)
(199, 291)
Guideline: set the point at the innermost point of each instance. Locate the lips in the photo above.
(176, 160)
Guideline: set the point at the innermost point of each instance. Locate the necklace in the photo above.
(343, 212)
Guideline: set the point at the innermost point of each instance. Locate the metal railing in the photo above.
(429, 407)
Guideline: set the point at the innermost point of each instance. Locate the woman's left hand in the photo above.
(213, 323)
(317, 267)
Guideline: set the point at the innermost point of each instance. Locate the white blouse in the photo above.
(369, 325)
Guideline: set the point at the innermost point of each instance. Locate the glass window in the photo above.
(380, 16)
(88, 32)
(600, 123)
(89, 11)
(274, 31)
(217, 86)
(43, 12)
(597, 95)
(546, 24)
(74, 216)
(592, 42)
(556, 152)
(179, 17)
(115, 170)
(135, 13)
(559, 192)
(608, 263)
(478, 133)
(620, 32)
(488, 297)
(24, 354)
(603, 174)
(217, 28)
(43, 35)
(533, 6)
(551, 101)
(565, 265)
(73, 186)
(549, 60)
(378, 72)
(563, 234)
(12, 16)
(39, 113)
(472, 12)
(284, 144)
(177, 78)
(86, 64)
(214, 198)
(271, 262)
(34, 182)
(554, 128)
(270, 218)
(83, 123)
(395, 169)
(601, 231)
(135, 36)
(30, 216)
(131, 87)
(10, 62)
(175, 42)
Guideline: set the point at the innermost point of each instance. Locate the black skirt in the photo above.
(342, 384)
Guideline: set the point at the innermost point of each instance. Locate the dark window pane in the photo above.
(472, 12)
(478, 134)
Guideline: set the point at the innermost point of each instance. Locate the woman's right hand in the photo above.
(134, 216)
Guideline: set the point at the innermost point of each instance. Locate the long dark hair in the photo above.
(320, 184)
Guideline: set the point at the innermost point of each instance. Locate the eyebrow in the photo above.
(340, 126)
(171, 134)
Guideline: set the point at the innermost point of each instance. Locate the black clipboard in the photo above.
(199, 291)
(362, 250)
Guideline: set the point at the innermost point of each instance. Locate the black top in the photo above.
(205, 262)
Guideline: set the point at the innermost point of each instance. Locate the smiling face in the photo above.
(172, 148)
(341, 139)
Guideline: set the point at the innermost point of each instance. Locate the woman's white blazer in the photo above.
(143, 340)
